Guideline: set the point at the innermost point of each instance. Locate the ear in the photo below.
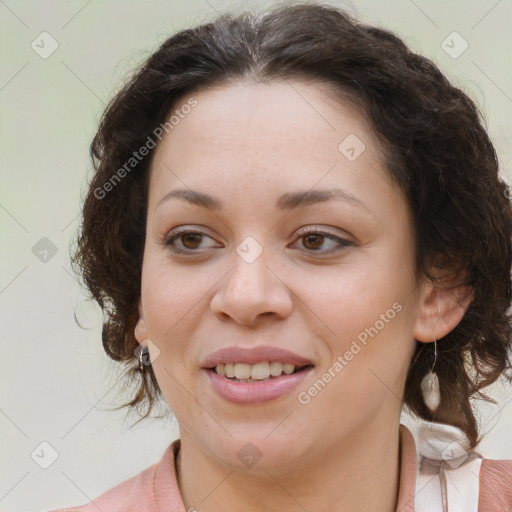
(441, 308)
(141, 332)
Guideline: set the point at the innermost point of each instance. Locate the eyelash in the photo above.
(169, 241)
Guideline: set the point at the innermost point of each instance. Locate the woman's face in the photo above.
(328, 278)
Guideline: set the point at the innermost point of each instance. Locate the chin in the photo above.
(258, 452)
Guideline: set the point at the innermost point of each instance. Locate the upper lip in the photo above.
(254, 355)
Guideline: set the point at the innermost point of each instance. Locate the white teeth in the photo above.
(258, 371)
(276, 369)
(230, 370)
(242, 371)
(288, 368)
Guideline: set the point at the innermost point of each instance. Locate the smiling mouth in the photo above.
(259, 372)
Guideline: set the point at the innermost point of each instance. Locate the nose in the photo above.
(250, 292)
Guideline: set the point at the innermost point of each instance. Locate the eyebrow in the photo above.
(288, 201)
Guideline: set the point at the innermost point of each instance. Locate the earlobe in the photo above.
(441, 309)
(140, 332)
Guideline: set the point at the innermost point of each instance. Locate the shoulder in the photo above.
(137, 494)
(122, 497)
(495, 486)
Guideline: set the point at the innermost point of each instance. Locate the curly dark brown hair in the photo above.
(437, 152)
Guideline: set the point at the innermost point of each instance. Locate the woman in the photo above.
(296, 226)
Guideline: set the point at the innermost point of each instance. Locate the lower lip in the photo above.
(255, 392)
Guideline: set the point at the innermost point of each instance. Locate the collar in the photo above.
(168, 498)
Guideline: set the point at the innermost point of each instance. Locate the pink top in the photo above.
(156, 490)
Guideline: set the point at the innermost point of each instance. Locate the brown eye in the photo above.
(191, 240)
(322, 242)
(188, 241)
(313, 242)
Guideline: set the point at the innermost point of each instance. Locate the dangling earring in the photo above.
(430, 386)
(143, 356)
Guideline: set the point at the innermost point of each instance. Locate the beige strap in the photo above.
(443, 488)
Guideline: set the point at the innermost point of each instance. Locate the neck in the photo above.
(358, 473)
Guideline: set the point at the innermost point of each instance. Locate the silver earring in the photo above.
(430, 386)
(143, 355)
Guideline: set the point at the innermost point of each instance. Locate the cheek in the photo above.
(172, 307)
(349, 299)
(172, 300)
(364, 314)
(368, 359)
(169, 290)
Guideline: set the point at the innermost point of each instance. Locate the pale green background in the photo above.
(57, 381)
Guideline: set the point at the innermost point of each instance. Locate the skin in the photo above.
(247, 144)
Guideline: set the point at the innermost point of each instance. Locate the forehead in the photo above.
(288, 134)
